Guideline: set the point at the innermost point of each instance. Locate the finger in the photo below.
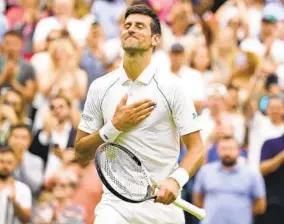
(123, 101)
(145, 111)
(145, 106)
(139, 103)
(160, 196)
(141, 118)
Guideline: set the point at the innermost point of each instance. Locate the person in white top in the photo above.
(15, 196)
(146, 111)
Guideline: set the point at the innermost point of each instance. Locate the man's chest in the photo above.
(135, 92)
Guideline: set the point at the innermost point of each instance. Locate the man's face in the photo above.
(95, 35)
(215, 101)
(275, 109)
(63, 7)
(7, 164)
(12, 45)
(268, 28)
(19, 140)
(177, 59)
(60, 109)
(136, 34)
(228, 152)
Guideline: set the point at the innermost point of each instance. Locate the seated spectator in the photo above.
(14, 71)
(13, 110)
(60, 209)
(29, 166)
(272, 168)
(229, 193)
(15, 196)
(62, 19)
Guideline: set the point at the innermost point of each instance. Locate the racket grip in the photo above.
(190, 208)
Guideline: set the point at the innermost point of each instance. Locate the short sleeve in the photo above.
(199, 186)
(23, 195)
(91, 118)
(266, 151)
(258, 186)
(183, 111)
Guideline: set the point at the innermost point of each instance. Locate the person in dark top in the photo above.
(272, 168)
(15, 72)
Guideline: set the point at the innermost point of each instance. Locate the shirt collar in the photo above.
(145, 77)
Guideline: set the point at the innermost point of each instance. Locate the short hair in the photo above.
(145, 10)
(20, 126)
(228, 137)
(6, 149)
(14, 33)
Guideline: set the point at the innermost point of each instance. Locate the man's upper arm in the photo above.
(91, 118)
(184, 112)
(24, 196)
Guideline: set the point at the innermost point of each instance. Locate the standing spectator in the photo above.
(230, 193)
(263, 128)
(272, 168)
(93, 59)
(191, 77)
(107, 13)
(15, 196)
(29, 166)
(62, 19)
(14, 71)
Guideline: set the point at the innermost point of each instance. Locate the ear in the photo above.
(156, 40)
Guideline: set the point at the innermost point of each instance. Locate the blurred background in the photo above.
(230, 54)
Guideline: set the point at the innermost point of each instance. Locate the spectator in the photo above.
(62, 19)
(93, 59)
(191, 77)
(263, 128)
(60, 208)
(58, 132)
(15, 72)
(29, 167)
(13, 111)
(272, 168)
(107, 13)
(15, 196)
(3, 26)
(236, 201)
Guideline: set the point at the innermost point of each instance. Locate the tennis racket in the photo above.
(124, 175)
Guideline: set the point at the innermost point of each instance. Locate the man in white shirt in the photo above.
(15, 196)
(147, 111)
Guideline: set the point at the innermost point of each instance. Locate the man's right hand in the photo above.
(127, 116)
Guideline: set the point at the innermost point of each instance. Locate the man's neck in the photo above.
(175, 69)
(276, 122)
(229, 168)
(9, 180)
(135, 63)
(60, 127)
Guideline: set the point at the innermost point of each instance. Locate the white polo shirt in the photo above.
(156, 140)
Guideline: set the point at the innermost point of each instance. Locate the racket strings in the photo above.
(124, 174)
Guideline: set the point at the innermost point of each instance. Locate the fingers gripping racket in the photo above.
(124, 175)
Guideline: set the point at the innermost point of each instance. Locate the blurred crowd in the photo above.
(230, 54)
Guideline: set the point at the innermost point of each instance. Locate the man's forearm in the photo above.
(23, 214)
(85, 148)
(193, 160)
(271, 165)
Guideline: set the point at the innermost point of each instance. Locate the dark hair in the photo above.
(13, 33)
(145, 10)
(20, 126)
(6, 149)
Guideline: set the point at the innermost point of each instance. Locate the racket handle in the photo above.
(190, 208)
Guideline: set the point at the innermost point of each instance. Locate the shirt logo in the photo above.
(86, 117)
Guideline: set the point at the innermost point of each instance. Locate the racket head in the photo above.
(116, 167)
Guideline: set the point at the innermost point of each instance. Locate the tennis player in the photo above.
(147, 111)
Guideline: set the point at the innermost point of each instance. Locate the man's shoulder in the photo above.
(210, 167)
(21, 187)
(104, 82)
(33, 159)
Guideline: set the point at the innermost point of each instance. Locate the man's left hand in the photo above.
(168, 192)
